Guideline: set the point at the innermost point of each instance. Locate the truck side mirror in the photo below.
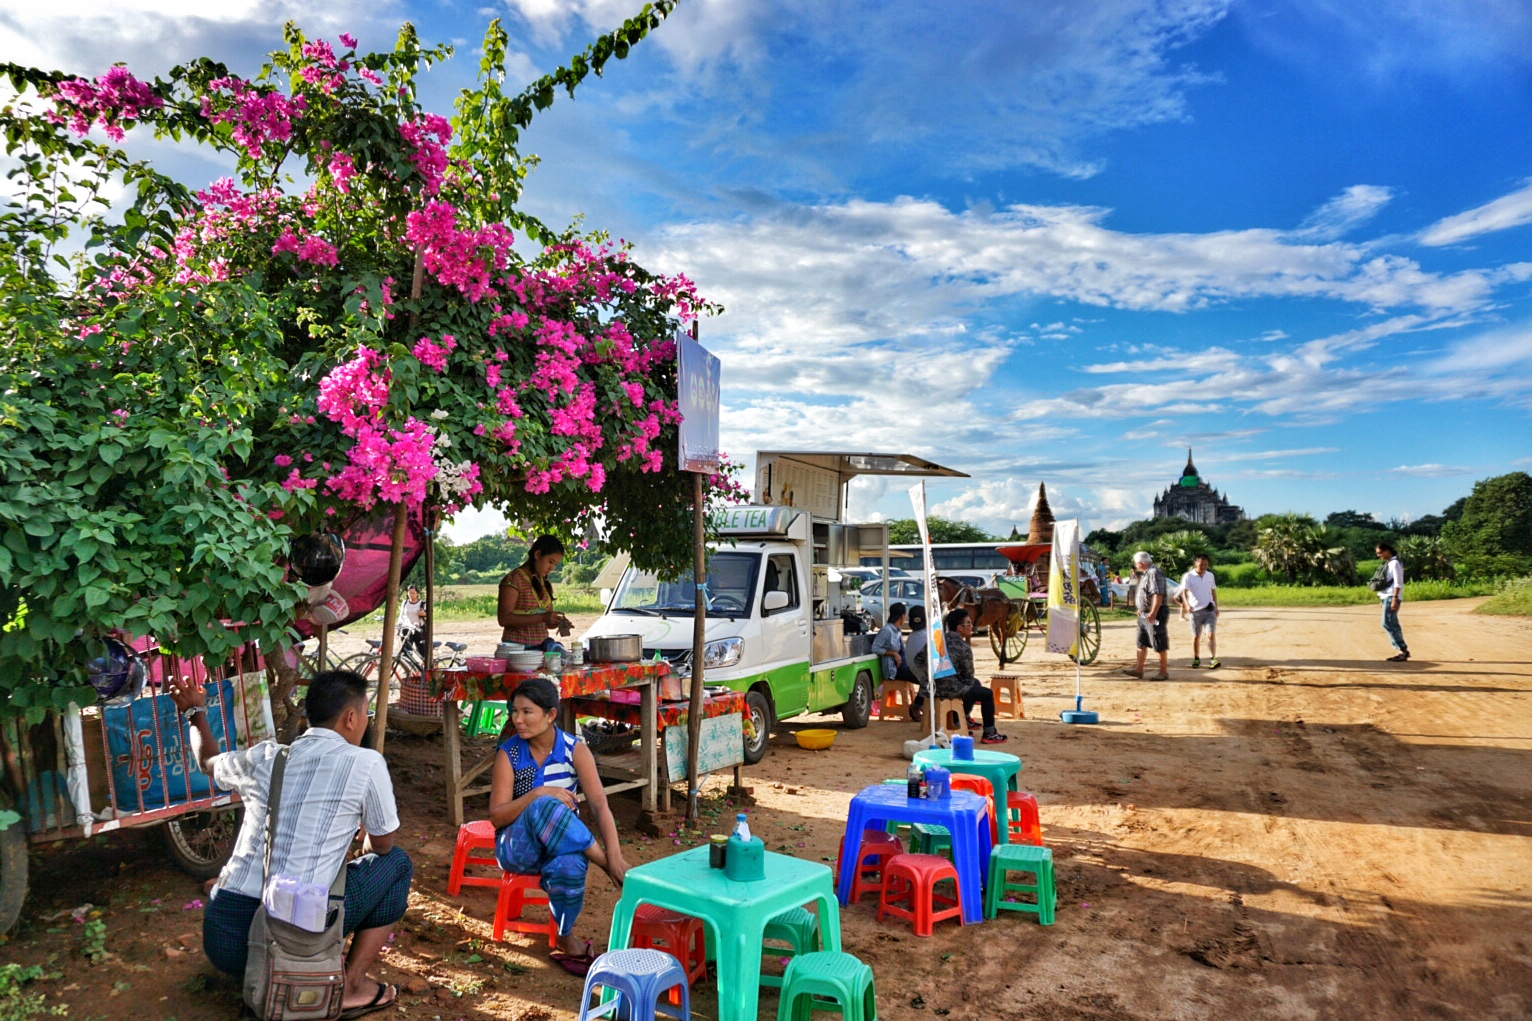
(774, 601)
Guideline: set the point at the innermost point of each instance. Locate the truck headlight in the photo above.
(722, 653)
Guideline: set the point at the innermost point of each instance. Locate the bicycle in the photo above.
(407, 661)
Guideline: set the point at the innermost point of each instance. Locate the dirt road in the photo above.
(1306, 833)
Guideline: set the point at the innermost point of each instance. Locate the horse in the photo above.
(989, 607)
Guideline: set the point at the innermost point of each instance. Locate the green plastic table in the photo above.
(999, 768)
(734, 914)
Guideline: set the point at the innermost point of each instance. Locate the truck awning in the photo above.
(849, 465)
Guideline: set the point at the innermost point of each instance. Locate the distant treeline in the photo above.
(486, 560)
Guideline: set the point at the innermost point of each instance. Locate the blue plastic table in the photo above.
(999, 768)
(964, 814)
(734, 914)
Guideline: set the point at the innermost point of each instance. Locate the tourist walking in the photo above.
(1199, 601)
(1153, 616)
(1388, 582)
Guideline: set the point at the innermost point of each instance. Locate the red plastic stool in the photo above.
(980, 786)
(471, 837)
(913, 878)
(516, 892)
(877, 848)
(1024, 824)
(678, 935)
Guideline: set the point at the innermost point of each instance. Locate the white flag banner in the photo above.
(936, 636)
(1064, 588)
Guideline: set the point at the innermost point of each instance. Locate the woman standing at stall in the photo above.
(538, 773)
(525, 608)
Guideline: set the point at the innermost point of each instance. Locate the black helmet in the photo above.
(317, 559)
(117, 675)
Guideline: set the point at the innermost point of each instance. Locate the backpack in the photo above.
(293, 974)
(1379, 580)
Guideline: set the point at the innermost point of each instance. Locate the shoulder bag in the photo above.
(1379, 580)
(293, 974)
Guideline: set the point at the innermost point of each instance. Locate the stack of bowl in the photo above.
(526, 661)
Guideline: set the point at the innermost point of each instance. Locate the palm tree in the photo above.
(1425, 556)
(1175, 551)
(1281, 549)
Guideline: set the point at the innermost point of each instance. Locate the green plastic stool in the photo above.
(932, 839)
(827, 980)
(799, 929)
(483, 718)
(1007, 858)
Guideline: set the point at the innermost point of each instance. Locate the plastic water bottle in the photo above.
(741, 828)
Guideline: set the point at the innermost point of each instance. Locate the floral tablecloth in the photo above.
(472, 686)
(670, 714)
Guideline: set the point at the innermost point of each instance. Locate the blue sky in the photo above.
(1034, 241)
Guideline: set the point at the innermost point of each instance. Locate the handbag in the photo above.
(293, 974)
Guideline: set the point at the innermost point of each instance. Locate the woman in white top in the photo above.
(1390, 594)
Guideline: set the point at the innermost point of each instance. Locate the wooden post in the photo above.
(390, 622)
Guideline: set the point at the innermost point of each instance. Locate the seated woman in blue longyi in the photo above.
(538, 774)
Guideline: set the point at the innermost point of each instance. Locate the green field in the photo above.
(1347, 595)
(1513, 600)
(477, 602)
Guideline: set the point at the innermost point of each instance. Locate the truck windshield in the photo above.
(729, 589)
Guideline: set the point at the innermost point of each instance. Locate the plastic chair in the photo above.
(897, 698)
(483, 718)
(981, 787)
(516, 893)
(1023, 822)
(877, 847)
(1038, 861)
(1007, 691)
(799, 929)
(637, 977)
(913, 878)
(830, 981)
(471, 837)
(926, 838)
(678, 935)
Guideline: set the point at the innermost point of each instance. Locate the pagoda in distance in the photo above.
(1192, 499)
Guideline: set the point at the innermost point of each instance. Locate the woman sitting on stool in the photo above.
(538, 773)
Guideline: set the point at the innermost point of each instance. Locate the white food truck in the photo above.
(774, 601)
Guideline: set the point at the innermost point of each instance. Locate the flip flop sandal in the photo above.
(576, 964)
(378, 1002)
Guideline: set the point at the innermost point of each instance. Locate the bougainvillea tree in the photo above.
(359, 317)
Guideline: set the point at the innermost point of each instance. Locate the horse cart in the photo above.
(1018, 605)
(126, 762)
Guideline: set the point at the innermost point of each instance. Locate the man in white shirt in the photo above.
(1199, 600)
(1391, 594)
(331, 789)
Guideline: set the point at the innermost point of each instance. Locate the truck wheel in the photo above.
(200, 843)
(761, 717)
(13, 870)
(858, 708)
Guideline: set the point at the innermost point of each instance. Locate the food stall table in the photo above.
(734, 913)
(453, 686)
(964, 814)
(613, 706)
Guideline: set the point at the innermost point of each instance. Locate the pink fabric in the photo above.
(363, 581)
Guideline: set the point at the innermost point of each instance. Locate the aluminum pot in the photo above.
(614, 649)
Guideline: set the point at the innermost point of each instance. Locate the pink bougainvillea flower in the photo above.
(281, 460)
(258, 117)
(113, 99)
(348, 40)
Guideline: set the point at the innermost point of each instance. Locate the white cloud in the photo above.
(1497, 349)
(1432, 471)
(1351, 208)
(1507, 211)
(1208, 360)
(992, 83)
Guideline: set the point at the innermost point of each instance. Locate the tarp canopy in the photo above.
(363, 581)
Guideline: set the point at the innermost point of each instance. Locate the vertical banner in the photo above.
(1064, 588)
(936, 636)
(698, 374)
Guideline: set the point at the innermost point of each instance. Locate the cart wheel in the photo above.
(200, 843)
(759, 708)
(1089, 646)
(13, 870)
(858, 708)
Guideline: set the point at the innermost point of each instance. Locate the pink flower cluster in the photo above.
(258, 117)
(428, 136)
(433, 355)
(392, 465)
(355, 392)
(114, 99)
(464, 259)
(342, 169)
(326, 72)
(226, 212)
(313, 249)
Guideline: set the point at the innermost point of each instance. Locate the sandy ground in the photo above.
(1306, 833)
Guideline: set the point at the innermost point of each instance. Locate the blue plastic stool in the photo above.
(640, 979)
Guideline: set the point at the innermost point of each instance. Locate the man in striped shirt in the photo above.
(332, 788)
